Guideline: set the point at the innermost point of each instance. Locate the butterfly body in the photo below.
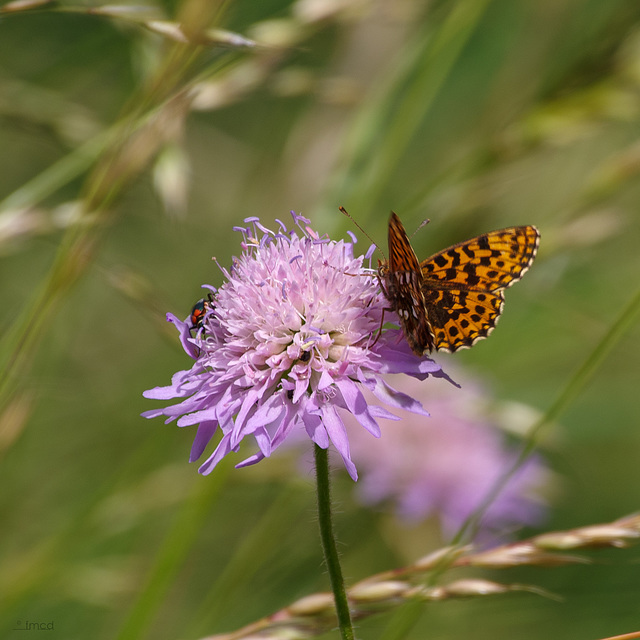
(402, 283)
(454, 298)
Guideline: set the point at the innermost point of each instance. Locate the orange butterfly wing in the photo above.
(463, 285)
(402, 284)
(454, 298)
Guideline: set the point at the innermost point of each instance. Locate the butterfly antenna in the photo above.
(424, 223)
(346, 213)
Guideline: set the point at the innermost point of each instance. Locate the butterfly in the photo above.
(454, 298)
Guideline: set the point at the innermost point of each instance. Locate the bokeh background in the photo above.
(125, 159)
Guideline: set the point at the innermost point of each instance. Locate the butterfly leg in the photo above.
(380, 327)
(384, 291)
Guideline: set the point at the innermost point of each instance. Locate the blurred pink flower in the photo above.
(445, 465)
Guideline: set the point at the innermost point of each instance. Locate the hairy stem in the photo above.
(329, 544)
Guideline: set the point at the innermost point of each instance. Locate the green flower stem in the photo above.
(329, 544)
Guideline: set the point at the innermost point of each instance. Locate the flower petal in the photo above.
(206, 431)
(316, 429)
(338, 434)
(390, 396)
(223, 448)
(357, 405)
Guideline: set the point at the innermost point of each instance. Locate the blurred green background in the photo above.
(126, 157)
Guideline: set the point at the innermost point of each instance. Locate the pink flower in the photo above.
(288, 343)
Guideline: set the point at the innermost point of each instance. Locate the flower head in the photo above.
(288, 342)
